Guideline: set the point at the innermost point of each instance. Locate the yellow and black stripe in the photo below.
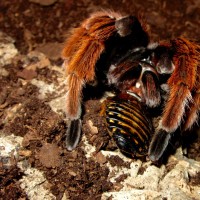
(128, 124)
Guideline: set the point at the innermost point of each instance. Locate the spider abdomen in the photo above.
(129, 126)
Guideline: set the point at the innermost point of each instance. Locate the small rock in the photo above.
(72, 173)
(100, 158)
(35, 60)
(7, 49)
(49, 155)
(4, 72)
(27, 74)
(93, 128)
(52, 50)
(65, 196)
(30, 136)
(25, 153)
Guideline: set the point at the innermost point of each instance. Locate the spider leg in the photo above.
(73, 134)
(80, 71)
(81, 52)
(194, 107)
(181, 83)
(192, 114)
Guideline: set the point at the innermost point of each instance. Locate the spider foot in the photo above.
(158, 145)
(73, 134)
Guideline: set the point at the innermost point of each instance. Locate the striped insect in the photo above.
(129, 125)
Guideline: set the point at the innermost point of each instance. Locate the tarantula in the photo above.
(115, 50)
